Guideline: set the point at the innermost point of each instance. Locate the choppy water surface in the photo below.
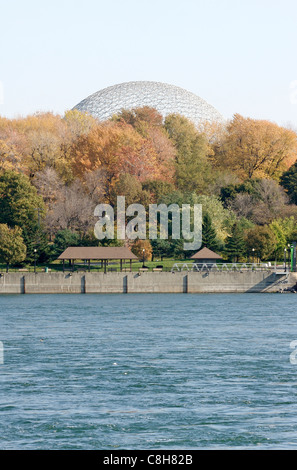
(148, 371)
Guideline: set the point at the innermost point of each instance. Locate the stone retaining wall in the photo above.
(147, 282)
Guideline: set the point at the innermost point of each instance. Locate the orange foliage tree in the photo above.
(142, 249)
(116, 148)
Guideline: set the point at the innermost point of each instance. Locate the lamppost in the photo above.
(35, 251)
(143, 251)
(289, 256)
(285, 258)
(253, 250)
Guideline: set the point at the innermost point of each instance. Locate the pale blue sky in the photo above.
(240, 56)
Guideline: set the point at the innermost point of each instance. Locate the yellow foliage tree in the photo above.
(256, 148)
(9, 157)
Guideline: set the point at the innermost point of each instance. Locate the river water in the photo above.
(159, 371)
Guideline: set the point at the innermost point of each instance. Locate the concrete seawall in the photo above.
(147, 282)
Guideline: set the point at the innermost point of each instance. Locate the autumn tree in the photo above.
(165, 152)
(270, 201)
(264, 200)
(256, 148)
(42, 140)
(41, 143)
(148, 122)
(142, 249)
(141, 118)
(10, 159)
(115, 148)
(243, 205)
(78, 123)
(95, 185)
(49, 186)
(72, 211)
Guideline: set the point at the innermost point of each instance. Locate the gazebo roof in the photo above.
(97, 252)
(206, 253)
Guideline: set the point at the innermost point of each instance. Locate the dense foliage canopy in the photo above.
(55, 169)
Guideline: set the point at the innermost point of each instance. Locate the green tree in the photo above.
(12, 247)
(209, 236)
(235, 243)
(130, 187)
(162, 248)
(19, 201)
(64, 239)
(193, 170)
(157, 189)
(178, 251)
(21, 206)
(285, 232)
(222, 219)
(228, 193)
(288, 180)
(261, 242)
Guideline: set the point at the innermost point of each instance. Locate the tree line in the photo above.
(55, 169)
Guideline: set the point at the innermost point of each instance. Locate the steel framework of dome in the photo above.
(165, 98)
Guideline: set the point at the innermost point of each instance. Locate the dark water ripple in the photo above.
(148, 372)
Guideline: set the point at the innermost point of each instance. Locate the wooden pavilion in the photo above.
(97, 253)
(207, 256)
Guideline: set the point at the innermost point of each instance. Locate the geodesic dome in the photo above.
(165, 98)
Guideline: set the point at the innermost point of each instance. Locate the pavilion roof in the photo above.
(97, 252)
(206, 253)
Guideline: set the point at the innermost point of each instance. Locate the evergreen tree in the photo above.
(209, 236)
(161, 248)
(64, 239)
(235, 245)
